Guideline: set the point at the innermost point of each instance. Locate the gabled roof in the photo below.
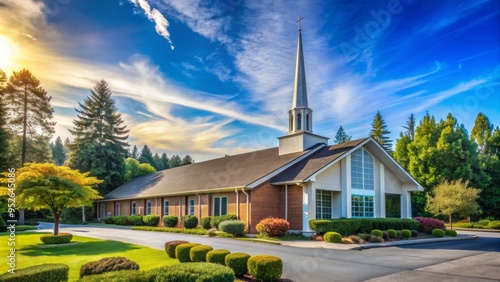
(218, 174)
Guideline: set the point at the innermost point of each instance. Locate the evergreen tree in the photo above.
(481, 132)
(29, 111)
(158, 164)
(174, 161)
(4, 132)
(134, 153)
(99, 143)
(489, 199)
(146, 156)
(164, 161)
(401, 154)
(187, 160)
(341, 136)
(410, 127)
(380, 133)
(58, 154)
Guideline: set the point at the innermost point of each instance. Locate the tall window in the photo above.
(290, 123)
(323, 204)
(148, 207)
(165, 207)
(117, 209)
(299, 121)
(191, 206)
(103, 210)
(220, 205)
(363, 184)
(133, 211)
(307, 122)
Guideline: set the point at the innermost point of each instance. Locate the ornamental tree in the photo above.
(453, 198)
(48, 186)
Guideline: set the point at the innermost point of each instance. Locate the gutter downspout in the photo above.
(199, 206)
(156, 206)
(180, 208)
(286, 201)
(237, 203)
(246, 194)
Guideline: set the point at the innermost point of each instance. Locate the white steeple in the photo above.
(300, 135)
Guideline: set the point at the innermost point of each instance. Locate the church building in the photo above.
(303, 178)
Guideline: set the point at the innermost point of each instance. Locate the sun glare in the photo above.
(7, 52)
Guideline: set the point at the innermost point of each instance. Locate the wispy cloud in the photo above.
(157, 17)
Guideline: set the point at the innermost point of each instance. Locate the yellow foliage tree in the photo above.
(48, 186)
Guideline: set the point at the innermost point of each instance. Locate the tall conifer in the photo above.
(380, 133)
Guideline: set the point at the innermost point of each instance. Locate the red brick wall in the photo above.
(266, 200)
(295, 207)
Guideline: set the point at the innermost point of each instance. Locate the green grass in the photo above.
(31, 251)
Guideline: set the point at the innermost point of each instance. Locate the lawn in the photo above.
(31, 251)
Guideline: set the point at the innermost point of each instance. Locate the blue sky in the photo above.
(209, 78)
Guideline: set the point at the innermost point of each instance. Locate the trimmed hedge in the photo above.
(182, 251)
(196, 231)
(205, 222)
(189, 221)
(169, 220)
(199, 253)
(171, 245)
(450, 232)
(238, 263)
(439, 233)
(109, 264)
(62, 238)
(377, 232)
(151, 220)
(136, 220)
(118, 276)
(352, 226)
(217, 256)
(38, 273)
(233, 227)
(193, 271)
(265, 267)
(273, 227)
(391, 233)
(407, 234)
(332, 237)
(109, 220)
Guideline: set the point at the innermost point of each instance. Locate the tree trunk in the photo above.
(57, 215)
(451, 224)
(23, 149)
(21, 217)
(83, 214)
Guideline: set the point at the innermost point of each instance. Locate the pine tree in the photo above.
(158, 164)
(174, 161)
(187, 160)
(4, 132)
(29, 111)
(134, 153)
(99, 143)
(380, 133)
(146, 156)
(58, 154)
(410, 127)
(481, 132)
(341, 136)
(164, 161)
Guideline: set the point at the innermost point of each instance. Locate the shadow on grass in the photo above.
(84, 248)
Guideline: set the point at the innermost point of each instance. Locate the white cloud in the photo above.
(157, 17)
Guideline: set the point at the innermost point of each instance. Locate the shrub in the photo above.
(136, 220)
(484, 222)
(128, 220)
(169, 220)
(107, 265)
(265, 267)
(427, 224)
(42, 272)
(193, 271)
(465, 225)
(189, 221)
(391, 233)
(405, 233)
(450, 232)
(332, 237)
(216, 220)
(350, 226)
(197, 231)
(273, 227)
(199, 253)
(205, 222)
(375, 239)
(238, 263)
(494, 224)
(151, 220)
(109, 220)
(376, 232)
(182, 251)
(414, 233)
(234, 227)
(171, 245)
(438, 233)
(217, 256)
(118, 276)
(62, 238)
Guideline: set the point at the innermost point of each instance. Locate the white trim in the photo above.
(284, 167)
(382, 190)
(133, 208)
(148, 207)
(286, 202)
(348, 193)
(168, 207)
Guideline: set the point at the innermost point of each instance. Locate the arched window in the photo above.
(307, 123)
(299, 121)
(362, 184)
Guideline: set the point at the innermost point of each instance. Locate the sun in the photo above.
(7, 52)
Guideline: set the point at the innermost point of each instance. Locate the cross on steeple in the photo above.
(298, 21)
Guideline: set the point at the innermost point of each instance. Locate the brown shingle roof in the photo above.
(313, 163)
(231, 171)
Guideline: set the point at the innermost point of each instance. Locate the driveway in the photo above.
(466, 260)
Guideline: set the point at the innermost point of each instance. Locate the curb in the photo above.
(418, 241)
(477, 230)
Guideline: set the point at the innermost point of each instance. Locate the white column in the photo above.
(348, 194)
(381, 201)
(408, 204)
(308, 206)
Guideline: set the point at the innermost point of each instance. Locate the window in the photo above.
(220, 205)
(133, 208)
(165, 207)
(191, 206)
(117, 209)
(299, 121)
(323, 204)
(362, 206)
(307, 122)
(290, 123)
(393, 205)
(103, 210)
(148, 207)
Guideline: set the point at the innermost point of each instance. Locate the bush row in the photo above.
(137, 220)
(196, 231)
(208, 222)
(482, 224)
(352, 226)
(43, 272)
